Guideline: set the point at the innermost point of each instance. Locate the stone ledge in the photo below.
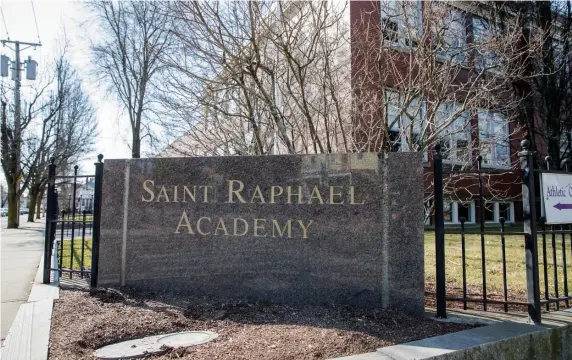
(514, 340)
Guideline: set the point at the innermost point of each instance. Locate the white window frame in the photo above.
(484, 59)
(455, 36)
(403, 122)
(453, 130)
(496, 211)
(393, 11)
(493, 140)
(455, 211)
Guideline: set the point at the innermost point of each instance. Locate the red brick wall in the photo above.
(368, 79)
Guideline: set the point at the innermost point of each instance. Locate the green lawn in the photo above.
(78, 217)
(67, 256)
(515, 262)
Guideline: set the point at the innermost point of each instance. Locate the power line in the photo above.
(5, 26)
(36, 21)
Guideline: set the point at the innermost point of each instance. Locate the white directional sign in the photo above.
(557, 198)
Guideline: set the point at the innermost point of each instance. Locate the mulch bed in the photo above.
(83, 322)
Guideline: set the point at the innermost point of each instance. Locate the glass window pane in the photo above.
(448, 211)
(464, 210)
(489, 211)
(504, 211)
(483, 120)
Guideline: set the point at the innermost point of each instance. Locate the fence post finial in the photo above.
(100, 157)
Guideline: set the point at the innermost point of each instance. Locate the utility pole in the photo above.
(16, 76)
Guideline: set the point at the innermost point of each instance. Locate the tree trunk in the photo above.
(13, 213)
(136, 147)
(39, 203)
(33, 195)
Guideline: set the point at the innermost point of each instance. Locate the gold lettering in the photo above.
(175, 191)
(289, 191)
(186, 224)
(206, 194)
(305, 228)
(315, 194)
(273, 194)
(235, 226)
(256, 227)
(222, 226)
(163, 192)
(199, 225)
(149, 190)
(352, 196)
(186, 192)
(235, 192)
(281, 232)
(257, 194)
(332, 194)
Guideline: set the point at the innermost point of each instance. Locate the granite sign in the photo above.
(344, 228)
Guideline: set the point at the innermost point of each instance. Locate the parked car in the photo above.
(3, 212)
(24, 211)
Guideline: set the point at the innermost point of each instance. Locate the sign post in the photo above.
(557, 198)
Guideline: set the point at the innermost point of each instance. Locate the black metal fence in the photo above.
(555, 241)
(72, 224)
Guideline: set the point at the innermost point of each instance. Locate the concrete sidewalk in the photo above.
(20, 251)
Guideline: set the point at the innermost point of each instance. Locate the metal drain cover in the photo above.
(187, 338)
(138, 348)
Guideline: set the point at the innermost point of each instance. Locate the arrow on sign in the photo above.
(560, 206)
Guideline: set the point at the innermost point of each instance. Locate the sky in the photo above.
(52, 18)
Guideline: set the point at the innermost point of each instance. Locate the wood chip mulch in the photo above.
(83, 322)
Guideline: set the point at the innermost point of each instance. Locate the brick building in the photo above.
(463, 38)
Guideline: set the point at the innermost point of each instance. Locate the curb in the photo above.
(505, 339)
(29, 335)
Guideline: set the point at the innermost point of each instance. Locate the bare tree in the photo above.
(57, 121)
(283, 70)
(36, 128)
(264, 74)
(545, 112)
(254, 77)
(74, 135)
(126, 57)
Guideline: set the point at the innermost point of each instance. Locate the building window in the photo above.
(485, 57)
(427, 208)
(451, 42)
(390, 30)
(561, 59)
(494, 210)
(465, 210)
(489, 212)
(505, 211)
(454, 126)
(400, 22)
(404, 118)
(454, 210)
(448, 211)
(494, 139)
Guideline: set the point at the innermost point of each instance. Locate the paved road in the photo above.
(20, 253)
